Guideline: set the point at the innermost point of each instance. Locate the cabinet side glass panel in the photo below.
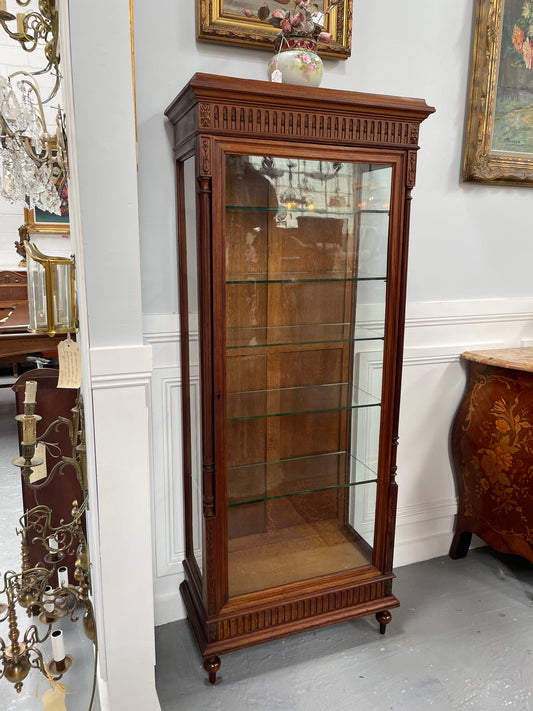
(192, 344)
(306, 268)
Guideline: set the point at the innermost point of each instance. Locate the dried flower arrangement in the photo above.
(302, 17)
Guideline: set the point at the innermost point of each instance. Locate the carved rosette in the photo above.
(205, 115)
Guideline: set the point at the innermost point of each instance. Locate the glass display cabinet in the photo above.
(293, 214)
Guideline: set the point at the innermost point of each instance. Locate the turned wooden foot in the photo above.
(212, 665)
(383, 618)
(460, 544)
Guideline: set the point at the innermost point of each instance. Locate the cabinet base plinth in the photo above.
(255, 625)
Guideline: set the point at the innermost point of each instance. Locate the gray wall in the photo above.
(467, 241)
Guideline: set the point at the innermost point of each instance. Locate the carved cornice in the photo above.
(229, 118)
(244, 108)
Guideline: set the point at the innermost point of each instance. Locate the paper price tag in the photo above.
(69, 365)
(276, 76)
(39, 472)
(54, 698)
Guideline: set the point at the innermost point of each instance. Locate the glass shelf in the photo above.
(258, 337)
(299, 277)
(294, 401)
(267, 481)
(304, 210)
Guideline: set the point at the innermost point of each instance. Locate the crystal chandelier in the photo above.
(33, 163)
(32, 160)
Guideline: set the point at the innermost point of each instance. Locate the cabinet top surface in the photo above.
(205, 86)
(514, 358)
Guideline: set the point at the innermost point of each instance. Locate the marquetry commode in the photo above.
(293, 219)
(492, 452)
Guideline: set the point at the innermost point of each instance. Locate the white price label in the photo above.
(54, 698)
(39, 472)
(69, 365)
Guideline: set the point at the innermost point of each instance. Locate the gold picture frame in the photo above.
(499, 130)
(37, 221)
(224, 21)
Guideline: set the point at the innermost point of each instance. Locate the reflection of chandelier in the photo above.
(30, 156)
(32, 161)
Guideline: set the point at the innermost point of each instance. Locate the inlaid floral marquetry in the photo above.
(492, 448)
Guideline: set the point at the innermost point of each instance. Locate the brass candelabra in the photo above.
(30, 588)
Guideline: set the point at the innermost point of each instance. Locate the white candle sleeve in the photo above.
(53, 544)
(62, 576)
(58, 646)
(28, 429)
(48, 599)
(30, 391)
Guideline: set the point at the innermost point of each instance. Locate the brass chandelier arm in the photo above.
(55, 427)
(34, 27)
(68, 536)
(31, 636)
(46, 138)
(78, 460)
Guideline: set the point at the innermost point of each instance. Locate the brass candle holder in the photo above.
(30, 589)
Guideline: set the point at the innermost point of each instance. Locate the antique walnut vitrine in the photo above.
(293, 215)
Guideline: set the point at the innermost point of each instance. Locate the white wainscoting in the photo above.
(120, 522)
(433, 383)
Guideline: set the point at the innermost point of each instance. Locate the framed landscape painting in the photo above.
(499, 130)
(236, 22)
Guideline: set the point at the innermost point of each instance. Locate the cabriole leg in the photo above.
(460, 544)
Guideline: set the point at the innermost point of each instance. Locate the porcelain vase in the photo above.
(297, 60)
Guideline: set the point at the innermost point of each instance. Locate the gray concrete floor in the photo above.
(462, 639)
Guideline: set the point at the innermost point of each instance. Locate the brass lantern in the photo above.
(51, 295)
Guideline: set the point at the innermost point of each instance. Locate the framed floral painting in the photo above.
(238, 22)
(499, 131)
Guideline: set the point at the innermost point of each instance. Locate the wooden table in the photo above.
(15, 341)
(492, 453)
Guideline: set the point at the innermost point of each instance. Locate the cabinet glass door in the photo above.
(306, 246)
